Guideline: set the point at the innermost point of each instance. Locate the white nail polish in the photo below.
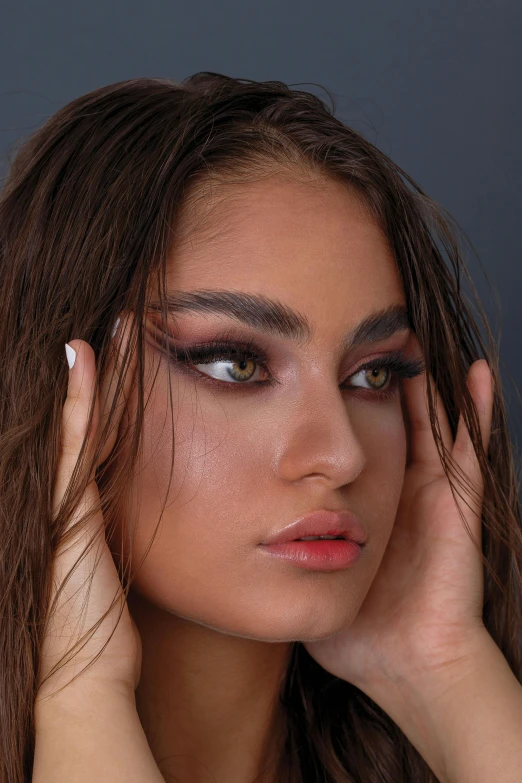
(115, 328)
(71, 355)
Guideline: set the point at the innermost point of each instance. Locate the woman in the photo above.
(186, 240)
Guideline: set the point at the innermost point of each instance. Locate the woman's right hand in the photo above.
(119, 665)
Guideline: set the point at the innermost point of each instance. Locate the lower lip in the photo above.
(325, 555)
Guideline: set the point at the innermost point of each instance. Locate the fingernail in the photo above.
(115, 327)
(71, 355)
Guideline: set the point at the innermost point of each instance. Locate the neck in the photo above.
(208, 701)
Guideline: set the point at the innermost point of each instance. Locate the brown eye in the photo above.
(378, 377)
(375, 378)
(239, 371)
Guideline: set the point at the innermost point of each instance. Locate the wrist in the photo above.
(91, 731)
(408, 705)
(70, 696)
(457, 715)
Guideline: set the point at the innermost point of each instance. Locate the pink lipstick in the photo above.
(341, 548)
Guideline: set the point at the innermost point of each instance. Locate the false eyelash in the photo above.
(218, 350)
(405, 368)
(400, 367)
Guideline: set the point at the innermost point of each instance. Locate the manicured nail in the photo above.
(115, 327)
(71, 355)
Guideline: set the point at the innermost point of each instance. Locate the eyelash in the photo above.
(218, 350)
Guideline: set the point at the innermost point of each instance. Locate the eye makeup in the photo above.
(233, 351)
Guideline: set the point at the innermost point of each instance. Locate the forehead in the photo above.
(314, 246)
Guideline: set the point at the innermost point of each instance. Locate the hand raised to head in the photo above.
(423, 612)
(80, 605)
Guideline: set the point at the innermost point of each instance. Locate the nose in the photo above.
(320, 441)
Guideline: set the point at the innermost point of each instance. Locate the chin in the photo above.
(285, 627)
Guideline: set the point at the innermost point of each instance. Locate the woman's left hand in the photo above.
(423, 612)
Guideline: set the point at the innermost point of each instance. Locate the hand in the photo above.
(120, 662)
(423, 612)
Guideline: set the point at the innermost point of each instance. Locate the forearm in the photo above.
(469, 728)
(91, 734)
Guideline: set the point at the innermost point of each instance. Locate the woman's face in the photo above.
(250, 458)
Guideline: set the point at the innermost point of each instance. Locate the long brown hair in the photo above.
(87, 217)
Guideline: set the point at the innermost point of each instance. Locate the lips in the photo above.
(322, 523)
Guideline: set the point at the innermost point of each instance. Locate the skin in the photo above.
(217, 617)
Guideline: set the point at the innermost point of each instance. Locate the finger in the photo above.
(75, 416)
(76, 604)
(110, 382)
(480, 384)
(423, 446)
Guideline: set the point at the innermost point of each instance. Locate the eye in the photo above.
(238, 363)
(377, 377)
(383, 374)
(245, 364)
(240, 370)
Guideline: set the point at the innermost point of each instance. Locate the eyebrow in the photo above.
(273, 317)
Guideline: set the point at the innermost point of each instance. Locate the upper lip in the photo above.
(322, 523)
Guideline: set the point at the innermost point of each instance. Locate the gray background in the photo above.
(435, 84)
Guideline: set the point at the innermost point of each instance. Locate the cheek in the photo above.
(198, 461)
(382, 434)
(384, 439)
(204, 549)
